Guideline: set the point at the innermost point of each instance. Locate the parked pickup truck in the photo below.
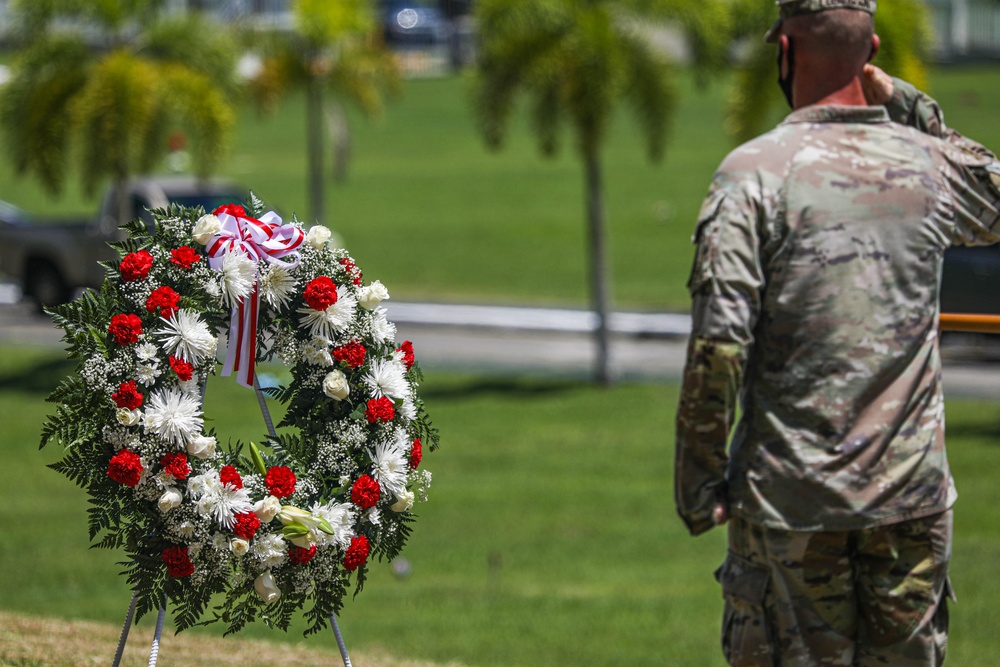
(50, 260)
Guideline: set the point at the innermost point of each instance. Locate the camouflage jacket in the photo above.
(815, 312)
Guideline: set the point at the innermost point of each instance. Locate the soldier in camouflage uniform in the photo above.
(815, 310)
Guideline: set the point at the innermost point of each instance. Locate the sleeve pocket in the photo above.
(746, 636)
(705, 240)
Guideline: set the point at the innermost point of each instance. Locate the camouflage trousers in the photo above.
(844, 599)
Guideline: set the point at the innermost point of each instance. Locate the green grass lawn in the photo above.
(550, 537)
(436, 216)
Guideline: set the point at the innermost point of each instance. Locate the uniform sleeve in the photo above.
(973, 169)
(909, 106)
(712, 378)
(726, 285)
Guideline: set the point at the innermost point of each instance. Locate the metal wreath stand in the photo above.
(154, 650)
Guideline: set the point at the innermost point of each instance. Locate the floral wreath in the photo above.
(269, 531)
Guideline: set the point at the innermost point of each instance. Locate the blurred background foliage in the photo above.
(283, 108)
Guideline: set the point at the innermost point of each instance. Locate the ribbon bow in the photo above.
(265, 239)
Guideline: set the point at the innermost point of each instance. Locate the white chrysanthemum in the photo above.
(146, 351)
(270, 549)
(408, 409)
(199, 485)
(220, 541)
(221, 502)
(341, 518)
(277, 285)
(191, 387)
(382, 329)
(327, 322)
(387, 378)
(211, 286)
(187, 337)
(174, 416)
(146, 374)
(236, 278)
(317, 352)
(390, 465)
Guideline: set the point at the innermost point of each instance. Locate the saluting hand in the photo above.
(877, 85)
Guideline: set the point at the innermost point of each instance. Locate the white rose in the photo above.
(266, 509)
(335, 385)
(404, 501)
(317, 236)
(170, 499)
(239, 546)
(201, 447)
(128, 417)
(206, 228)
(371, 296)
(266, 588)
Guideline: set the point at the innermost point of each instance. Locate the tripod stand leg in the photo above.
(154, 651)
(125, 629)
(340, 640)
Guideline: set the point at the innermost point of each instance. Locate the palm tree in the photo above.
(576, 60)
(903, 25)
(112, 98)
(332, 50)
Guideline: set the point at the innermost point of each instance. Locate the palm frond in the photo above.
(111, 115)
(34, 107)
(195, 45)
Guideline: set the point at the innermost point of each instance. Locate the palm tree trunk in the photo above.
(600, 276)
(314, 149)
(340, 135)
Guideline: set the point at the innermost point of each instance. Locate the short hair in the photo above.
(842, 35)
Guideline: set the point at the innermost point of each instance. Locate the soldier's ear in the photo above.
(875, 44)
(783, 64)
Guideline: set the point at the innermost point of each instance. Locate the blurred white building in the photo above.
(965, 29)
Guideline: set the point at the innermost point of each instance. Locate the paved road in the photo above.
(540, 341)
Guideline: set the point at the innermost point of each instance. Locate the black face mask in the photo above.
(786, 82)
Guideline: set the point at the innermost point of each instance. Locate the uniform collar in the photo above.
(832, 113)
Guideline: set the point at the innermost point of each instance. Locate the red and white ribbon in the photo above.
(265, 239)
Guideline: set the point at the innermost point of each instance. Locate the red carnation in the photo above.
(183, 369)
(125, 467)
(320, 293)
(353, 353)
(184, 256)
(407, 349)
(127, 396)
(231, 476)
(178, 562)
(380, 409)
(300, 556)
(246, 526)
(164, 298)
(416, 454)
(357, 553)
(365, 492)
(126, 328)
(176, 465)
(234, 210)
(280, 481)
(135, 266)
